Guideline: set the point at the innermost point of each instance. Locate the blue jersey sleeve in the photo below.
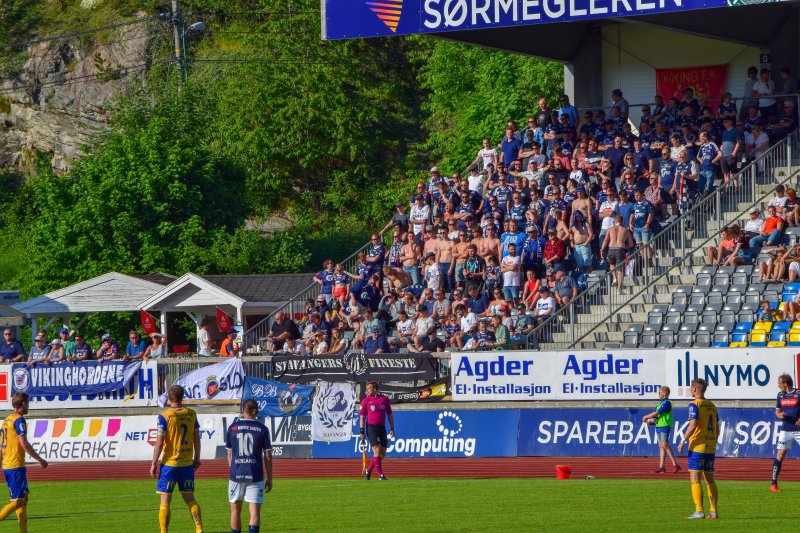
(664, 407)
(778, 400)
(266, 444)
(161, 424)
(20, 426)
(693, 413)
(228, 439)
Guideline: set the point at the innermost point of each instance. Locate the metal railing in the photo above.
(254, 337)
(670, 249)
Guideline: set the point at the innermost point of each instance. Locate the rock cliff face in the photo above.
(57, 104)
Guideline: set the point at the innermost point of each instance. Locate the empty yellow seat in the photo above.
(738, 345)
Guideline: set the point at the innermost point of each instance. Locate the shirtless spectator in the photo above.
(444, 260)
(410, 258)
(582, 204)
(615, 246)
(490, 244)
(397, 278)
(580, 234)
(282, 328)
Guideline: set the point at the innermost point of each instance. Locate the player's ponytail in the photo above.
(250, 407)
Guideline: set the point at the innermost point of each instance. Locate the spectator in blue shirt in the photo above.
(708, 155)
(477, 302)
(11, 350)
(376, 343)
(511, 146)
(136, 347)
(643, 214)
(325, 279)
(568, 109)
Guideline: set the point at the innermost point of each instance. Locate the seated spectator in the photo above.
(545, 306)
(136, 347)
(295, 346)
(497, 303)
(766, 313)
(441, 307)
(405, 330)
(502, 336)
(781, 258)
(530, 290)
(338, 343)
(280, 330)
(566, 289)
(376, 342)
(771, 232)
(787, 122)
(11, 350)
(718, 254)
(422, 322)
(229, 347)
(792, 208)
(388, 309)
(428, 344)
(779, 201)
(484, 338)
(792, 309)
(81, 351)
(467, 319)
(39, 351)
(57, 354)
(754, 224)
(109, 349)
(522, 326)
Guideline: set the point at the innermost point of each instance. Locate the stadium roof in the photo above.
(110, 292)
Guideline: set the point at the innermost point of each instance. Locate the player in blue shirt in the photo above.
(787, 408)
(708, 155)
(249, 454)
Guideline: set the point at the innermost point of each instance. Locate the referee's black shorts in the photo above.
(377, 435)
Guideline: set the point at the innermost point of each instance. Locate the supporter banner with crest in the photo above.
(706, 81)
(431, 392)
(89, 377)
(357, 367)
(222, 381)
(333, 412)
(278, 399)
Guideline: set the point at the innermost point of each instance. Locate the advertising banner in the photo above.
(277, 399)
(87, 377)
(432, 392)
(503, 376)
(620, 432)
(357, 367)
(333, 411)
(348, 19)
(439, 433)
(139, 390)
(221, 381)
(704, 81)
(742, 374)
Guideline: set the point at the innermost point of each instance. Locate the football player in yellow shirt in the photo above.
(14, 443)
(701, 435)
(179, 439)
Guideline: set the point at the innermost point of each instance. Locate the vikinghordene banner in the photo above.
(355, 367)
(88, 377)
(432, 392)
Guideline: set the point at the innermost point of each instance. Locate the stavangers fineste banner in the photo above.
(277, 399)
(357, 367)
(89, 377)
(348, 19)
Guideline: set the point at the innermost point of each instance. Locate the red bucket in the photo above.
(563, 471)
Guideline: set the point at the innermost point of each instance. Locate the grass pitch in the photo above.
(427, 505)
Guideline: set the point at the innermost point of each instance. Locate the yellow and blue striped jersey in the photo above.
(13, 453)
(177, 425)
(704, 437)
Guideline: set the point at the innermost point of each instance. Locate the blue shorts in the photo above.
(182, 476)
(701, 461)
(17, 481)
(642, 236)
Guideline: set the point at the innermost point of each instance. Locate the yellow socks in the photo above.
(697, 496)
(712, 496)
(194, 510)
(22, 516)
(163, 517)
(7, 510)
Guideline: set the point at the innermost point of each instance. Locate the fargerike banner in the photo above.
(704, 81)
(600, 375)
(348, 19)
(354, 367)
(221, 381)
(278, 399)
(88, 377)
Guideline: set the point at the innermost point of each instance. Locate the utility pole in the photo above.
(177, 30)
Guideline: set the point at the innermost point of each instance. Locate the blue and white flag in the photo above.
(221, 381)
(278, 399)
(333, 412)
(87, 377)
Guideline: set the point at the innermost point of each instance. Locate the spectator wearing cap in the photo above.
(66, 342)
(376, 342)
(771, 231)
(555, 250)
(108, 350)
(779, 201)
(40, 351)
(81, 351)
(11, 349)
(229, 347)
(754, 224)
(566, 289)
(434, 180)
(399, 220)
(428, 344)
(787, 122)
(136, 346)
(422, 322)
(545, 305)
(322, 308)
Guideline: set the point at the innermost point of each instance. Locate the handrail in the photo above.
(697, 216)
(792, 96)
(253, 335)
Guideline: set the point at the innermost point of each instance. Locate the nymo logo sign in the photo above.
(388, 11)
(723, 375)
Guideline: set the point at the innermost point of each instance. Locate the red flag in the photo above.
(148, 322)
(224, 322)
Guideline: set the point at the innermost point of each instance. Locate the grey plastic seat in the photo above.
(690, 317)
(685, 339)
(710, 317)
(666, 339)
(648, 339)
(752, 298)
(738, 287)
(697, 298)
(740, 278)
(680, 298)
(702, 339)
(725, 269)
(673, 317)
(635, 328)
(684, 288)
(709, 269)
(630, 339)
(701, 289)
(733, 298)
(704, 279)
(744, 269)
(746, 315)
(654, 318)
(771, 295)
(676, 309)
(722, 279)
(692, 326)
(611, 346)
(715, 296)
(732, 307)
(660, 308)
(727, 317)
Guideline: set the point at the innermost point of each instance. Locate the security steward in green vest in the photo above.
(662, 417)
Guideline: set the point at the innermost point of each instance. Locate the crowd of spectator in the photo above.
(476, 261)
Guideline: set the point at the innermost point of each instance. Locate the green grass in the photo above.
(432, 505)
